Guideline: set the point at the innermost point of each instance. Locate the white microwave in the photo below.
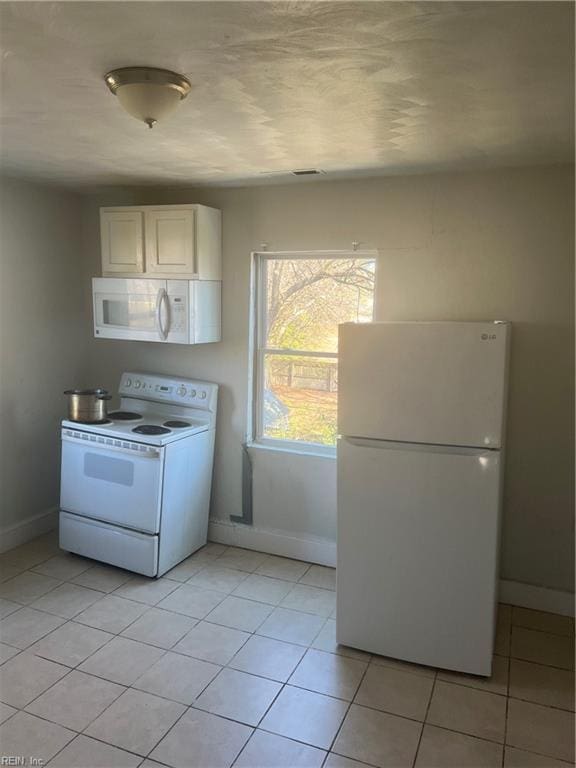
(168, 311)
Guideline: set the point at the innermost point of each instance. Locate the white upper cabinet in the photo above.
(170, 241)
(122, 241)
(162, 241)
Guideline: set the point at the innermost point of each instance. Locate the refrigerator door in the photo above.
(438, 383)
(418, 552)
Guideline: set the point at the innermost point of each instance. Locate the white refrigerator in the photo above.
(421, 414)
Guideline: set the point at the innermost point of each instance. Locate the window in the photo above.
(300, 299)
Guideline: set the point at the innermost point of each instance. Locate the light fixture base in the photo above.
(116, 78)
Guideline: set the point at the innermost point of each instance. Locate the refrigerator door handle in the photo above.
(396, 445)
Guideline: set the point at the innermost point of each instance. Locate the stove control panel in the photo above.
(164, 389)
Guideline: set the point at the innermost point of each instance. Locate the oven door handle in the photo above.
(162, 304)
(149, 453)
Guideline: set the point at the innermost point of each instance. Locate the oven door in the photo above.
(104, 479)
(131, 309)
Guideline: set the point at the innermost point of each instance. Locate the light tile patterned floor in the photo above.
(231, 660)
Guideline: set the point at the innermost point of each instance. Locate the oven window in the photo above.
(130, 312)
(108, 469)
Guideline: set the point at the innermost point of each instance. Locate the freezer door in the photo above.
(418, 534)
(441, 383)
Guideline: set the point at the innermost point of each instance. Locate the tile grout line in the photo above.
(66, 579)
(425, 717)
(29, 603)
(257, 726)
(250, 599)
(540, 664)
(77, 734)
(555, 708)
(142, 759)
(348, 708)
(282, 688)
(507, 692)
(508, 695)
(543, 631)
(187, 708)
(70, 669)
(67, 618)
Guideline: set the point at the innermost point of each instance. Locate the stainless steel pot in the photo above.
(87, 405)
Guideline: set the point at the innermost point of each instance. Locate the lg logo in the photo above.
(488, 336)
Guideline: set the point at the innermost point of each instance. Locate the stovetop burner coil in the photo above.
(151, 429)
(177, 424)
(125, 415)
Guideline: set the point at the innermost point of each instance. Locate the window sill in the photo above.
(301, 450)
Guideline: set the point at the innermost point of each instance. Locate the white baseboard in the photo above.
(311, 549)
(538, 598)
(323, 552)
(20, 533)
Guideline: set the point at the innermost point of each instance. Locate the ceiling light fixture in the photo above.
(146, 93)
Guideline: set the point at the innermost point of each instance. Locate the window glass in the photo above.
(300, 304)
(300, 398)
(306, 300)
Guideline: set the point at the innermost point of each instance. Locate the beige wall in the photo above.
(42, 344)
(464, 246)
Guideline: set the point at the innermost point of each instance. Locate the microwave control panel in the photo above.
(178, 313)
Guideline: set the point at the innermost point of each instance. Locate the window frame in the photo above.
(258, 352)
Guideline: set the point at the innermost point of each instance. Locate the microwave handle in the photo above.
(162, 301)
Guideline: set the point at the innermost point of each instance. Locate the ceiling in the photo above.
(353, 88)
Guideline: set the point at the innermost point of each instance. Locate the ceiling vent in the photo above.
(307, 172)
(297, 172)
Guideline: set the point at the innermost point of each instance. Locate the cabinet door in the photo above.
(170, 241)
(122, 241)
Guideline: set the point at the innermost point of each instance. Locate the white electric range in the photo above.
(135, 488)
